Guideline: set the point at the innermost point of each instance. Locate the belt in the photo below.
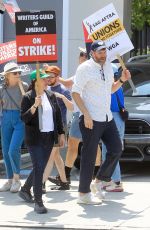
(47, 133)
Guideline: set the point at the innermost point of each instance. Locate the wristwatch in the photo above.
(121, 81)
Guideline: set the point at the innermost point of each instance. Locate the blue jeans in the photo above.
(121, 128)
(12, 135)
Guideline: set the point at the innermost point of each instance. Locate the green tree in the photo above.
(140, 14)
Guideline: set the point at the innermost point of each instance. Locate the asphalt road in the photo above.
(135, 171)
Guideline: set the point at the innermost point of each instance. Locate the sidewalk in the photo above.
(120, 211)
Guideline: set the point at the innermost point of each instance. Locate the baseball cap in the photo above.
(42, 75)
(53, 69)
(98, 45)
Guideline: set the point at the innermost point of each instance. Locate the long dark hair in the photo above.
(32, 85)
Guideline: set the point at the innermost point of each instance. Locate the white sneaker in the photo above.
(106, 184)
(114, 187)
(6, 187)
(88, 198)
(96, 188)
(15, 186)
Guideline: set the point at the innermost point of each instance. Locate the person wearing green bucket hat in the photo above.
(40, 140)
(33, 75)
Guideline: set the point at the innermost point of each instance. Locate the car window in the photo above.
(143, 89)
(141, 80)
(140, 59)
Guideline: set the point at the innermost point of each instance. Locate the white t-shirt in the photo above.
(47, 115)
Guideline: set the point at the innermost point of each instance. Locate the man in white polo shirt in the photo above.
(94, 83)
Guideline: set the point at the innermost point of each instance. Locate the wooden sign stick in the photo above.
(38, 93)
(124, 67)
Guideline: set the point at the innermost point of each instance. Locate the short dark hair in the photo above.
(83, 54)
(32, 85)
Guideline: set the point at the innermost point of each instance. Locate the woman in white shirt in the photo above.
(40, 137)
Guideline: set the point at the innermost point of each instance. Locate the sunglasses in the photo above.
(102, 74)
(15, 73)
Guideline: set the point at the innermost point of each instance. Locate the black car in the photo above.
(137, 128)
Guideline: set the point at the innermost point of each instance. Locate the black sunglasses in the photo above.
(15, 73)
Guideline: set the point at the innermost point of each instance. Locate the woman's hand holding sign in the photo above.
(37, 103)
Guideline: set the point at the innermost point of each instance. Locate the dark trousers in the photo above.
(108, 133)
(39, 155)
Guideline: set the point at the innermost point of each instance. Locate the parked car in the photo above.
(137, 128)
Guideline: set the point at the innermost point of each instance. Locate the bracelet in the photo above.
(121, 81)
(34, 107)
